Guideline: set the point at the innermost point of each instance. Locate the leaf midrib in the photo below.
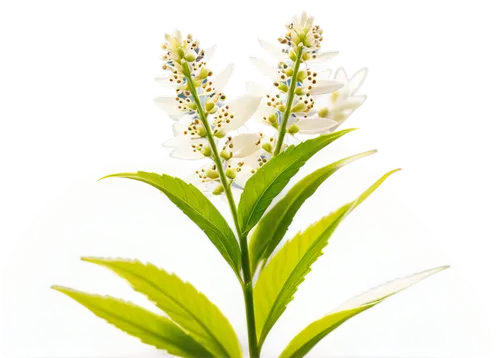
(290, 203)
(279, 295)
(265, 191)
(213, 226)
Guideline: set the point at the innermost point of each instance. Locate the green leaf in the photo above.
(280, 279)
(271, 179)
(312, 334)
(198, 208)
(150, 328)
(273, 226)
(185, 305)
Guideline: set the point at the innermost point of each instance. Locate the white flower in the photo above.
(324, 110)
(190, 141)
(303, 29)
(331, 110)
(182, 106)
(174, 107)
(244, 154)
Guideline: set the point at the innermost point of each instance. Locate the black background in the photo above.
(81, 102)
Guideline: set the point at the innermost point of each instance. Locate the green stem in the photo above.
(289, 100)
(245, 260)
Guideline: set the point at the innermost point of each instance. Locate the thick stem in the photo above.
(249, 305)
(245, 261)
(289, 100)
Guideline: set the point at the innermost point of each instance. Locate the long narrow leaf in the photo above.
(273, 226)
(185, 305)
(280, 279)
(312, 334)
(272, 178)
(150, 328)
(198, 208)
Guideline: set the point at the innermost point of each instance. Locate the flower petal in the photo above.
(248, 168)
(169, 105)
(222, 78)
(177, 34)
(324, 74)
(209, 53)
(164, 80)
(264, 111)
(255, 89)
(273, 50)
(243, 108)
(341, 76)
(325, 86)
(183, 144)
(357, 80)
(266, 68)
(350, 103)
(316, 125)
(198, 180)
(323, 57)
(245, 144)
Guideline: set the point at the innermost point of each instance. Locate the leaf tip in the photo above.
(90, 259)
(60, 288)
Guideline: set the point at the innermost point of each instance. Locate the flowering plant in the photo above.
(249, 169)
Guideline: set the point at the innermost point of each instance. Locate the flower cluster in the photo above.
(208, 126)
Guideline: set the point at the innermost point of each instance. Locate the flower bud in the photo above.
(293, 129)
(300, 91)
(219, 133)
(231, 173)
(209, 105)
(219, 190)
(306, 56)
(212, 174)
(282, 108)
(323, 112)
(226, 155)
(283, 87)
(202, 132)
(302, 75)
(206, 151)
(299, 107)
(190, 56)
(267, 147)
(190, 105)
(289, 72)
(292, 55)
(204, 72)
(273, 118)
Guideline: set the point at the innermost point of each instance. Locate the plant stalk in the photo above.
(289, 101)
(246, 284)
